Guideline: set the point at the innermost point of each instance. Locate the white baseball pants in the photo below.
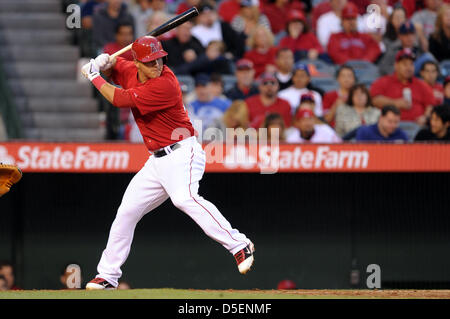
(177, 176)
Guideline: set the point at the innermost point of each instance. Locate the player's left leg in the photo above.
(180, 173)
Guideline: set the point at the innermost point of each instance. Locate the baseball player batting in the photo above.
(175, 166)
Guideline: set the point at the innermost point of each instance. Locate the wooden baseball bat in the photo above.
(167, 26)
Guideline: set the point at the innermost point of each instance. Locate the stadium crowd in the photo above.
(322, 71)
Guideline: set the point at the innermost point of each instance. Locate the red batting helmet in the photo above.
(147, 48)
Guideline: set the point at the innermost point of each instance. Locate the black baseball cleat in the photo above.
(99, 284)
(244, 258)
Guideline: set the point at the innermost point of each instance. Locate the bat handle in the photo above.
(123, 50)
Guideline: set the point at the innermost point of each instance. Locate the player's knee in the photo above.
(128, 212)
(181, 201)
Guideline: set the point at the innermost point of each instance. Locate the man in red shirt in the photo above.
(409, 94)
(124, 36)
(177, 163)
(267, 101)
(277, 12)
(351, 44)
(228, 9)
(429, 72)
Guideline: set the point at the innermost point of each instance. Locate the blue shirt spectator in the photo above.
(372, 133)
(210, 112)
(386, 129)
(207, 108)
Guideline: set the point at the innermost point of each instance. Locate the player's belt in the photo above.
(166, 150)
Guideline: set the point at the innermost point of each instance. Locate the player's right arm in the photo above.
(116, 96)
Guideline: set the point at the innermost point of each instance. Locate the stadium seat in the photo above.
(228, 81)
(445, 68)
(320, 66)
(410, 128)
(187, 80)
(326, 84)
(366, 72)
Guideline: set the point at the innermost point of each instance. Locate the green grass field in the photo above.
(168, 293)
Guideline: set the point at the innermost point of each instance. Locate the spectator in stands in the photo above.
(213, 60)
(207, 108)
(284, 61)
(412, 6)
(277, 12)
(429, 72)
(124, 36)
(85, 34)
(262, 50)
(396, 19)
(228, 9)
(426, 18)
(183, 47)
(368, 24)
(267, 101)
(330, 22)
(156, 19)
(217, 86)
(439, 129)
(357, 111)
(386, 129)
(447, 91)
(209, 28)
(306, 130)
(407, 40)
(303, 43)
(300, 81)
(244, 87)
(105, 20)
(320, 7)
(272, 122)
(3, 283)
(350, 44)
(141, 12)
(409, 94)
(346, 78)
(248, 18)
(440, 39)
(186, 5)
(158, 5)
(7, 271)
(237, 116)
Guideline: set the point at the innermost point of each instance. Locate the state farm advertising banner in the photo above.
(129, 158)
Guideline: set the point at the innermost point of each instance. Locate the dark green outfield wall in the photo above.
(306, 227)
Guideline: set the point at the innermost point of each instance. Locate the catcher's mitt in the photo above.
(9, 175)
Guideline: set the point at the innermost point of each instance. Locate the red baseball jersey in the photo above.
(258, 111)
(390, 86)
(157, 104)
(352, 46)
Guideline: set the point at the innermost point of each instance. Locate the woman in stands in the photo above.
(357, 111)
(346, 78)
(303, 43)
(262, 50)
(440, 39)
(396, 19)
(248, 18)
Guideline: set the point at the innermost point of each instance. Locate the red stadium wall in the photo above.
(129, 158)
